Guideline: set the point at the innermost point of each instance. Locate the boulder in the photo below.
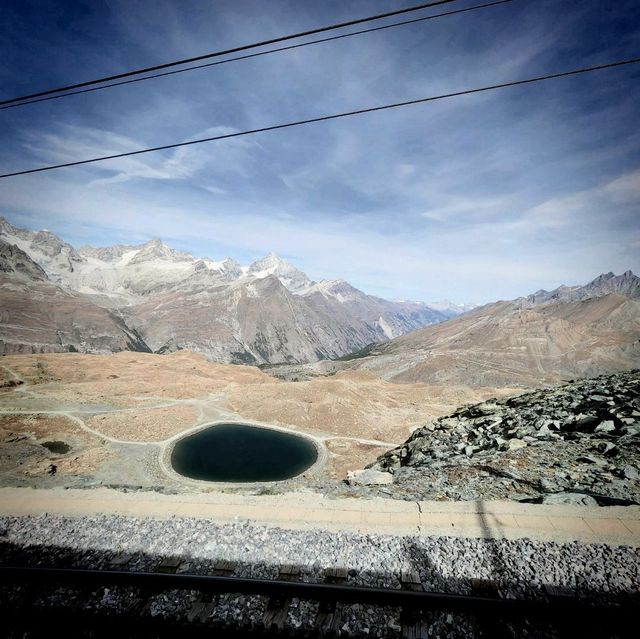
(515, 444)
(585, 422)
(575, 499)
(606, 426)
(368, 477)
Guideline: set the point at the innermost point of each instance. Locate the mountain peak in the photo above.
(156, 249)
(156, 242)
(273, 264)
(271, 260)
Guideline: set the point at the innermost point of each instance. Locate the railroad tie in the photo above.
(139, 602)
(169, 565)
(492, 626)
(136, 603)
(204, 604)
(120, 562)
(329, 617)
(275, 616)
(413, 625)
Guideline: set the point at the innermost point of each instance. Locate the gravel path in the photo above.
(446, 564)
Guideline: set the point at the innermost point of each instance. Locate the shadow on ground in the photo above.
(37, 609)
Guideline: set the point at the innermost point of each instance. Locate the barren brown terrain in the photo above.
(510, 344)
(106, 406)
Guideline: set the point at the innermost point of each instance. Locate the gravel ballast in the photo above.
(521, 568)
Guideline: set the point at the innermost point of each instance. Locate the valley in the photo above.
(122, 408)
(117, 353)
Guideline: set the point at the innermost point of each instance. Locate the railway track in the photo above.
(35, 600)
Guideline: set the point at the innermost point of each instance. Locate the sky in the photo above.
(475, 198)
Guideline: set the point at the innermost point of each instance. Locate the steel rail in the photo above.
(556, 606)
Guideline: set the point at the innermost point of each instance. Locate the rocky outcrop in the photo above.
(15, 261)
(581, 438)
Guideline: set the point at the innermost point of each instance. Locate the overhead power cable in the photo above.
(216, 54)
(334, 116)
(256, 55)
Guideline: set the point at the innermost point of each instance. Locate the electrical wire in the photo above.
(217, 54)
(334, 116)
(256, 55)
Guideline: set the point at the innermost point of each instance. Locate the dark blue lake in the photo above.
(242, 453)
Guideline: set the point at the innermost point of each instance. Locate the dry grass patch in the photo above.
(145, 425)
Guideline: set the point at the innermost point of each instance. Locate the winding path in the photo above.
(207, 412)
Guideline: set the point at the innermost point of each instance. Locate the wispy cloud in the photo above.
(73, 142)
(492, 195)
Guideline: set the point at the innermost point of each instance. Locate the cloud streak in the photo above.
(482, 197)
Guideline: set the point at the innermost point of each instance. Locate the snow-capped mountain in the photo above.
(451, 309)
(45, 249)
(266, 312)
(39, 316)
(272, 264)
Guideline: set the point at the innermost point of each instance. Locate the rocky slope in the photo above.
(517, 343)
(15, 262)
(36, 316)
(267, 312)
(578, 443)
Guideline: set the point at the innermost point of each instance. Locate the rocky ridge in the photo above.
(514, 343)
(578, 443)
(626, 284)
(14, 261)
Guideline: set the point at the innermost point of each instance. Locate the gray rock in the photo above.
(548, 486)
(516, 444)
(606, 426)
(369, 477)
(543, 431)
(607, 449)
(629, 472)
(585, 422)
(577, 499)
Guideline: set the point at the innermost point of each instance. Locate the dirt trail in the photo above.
(146, 400)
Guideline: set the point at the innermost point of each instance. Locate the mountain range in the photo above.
(151, 297)
(544, 338)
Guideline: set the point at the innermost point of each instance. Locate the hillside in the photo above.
(36, 316)
(573, 444)
(516, 344)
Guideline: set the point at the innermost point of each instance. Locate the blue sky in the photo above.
(476, 198)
